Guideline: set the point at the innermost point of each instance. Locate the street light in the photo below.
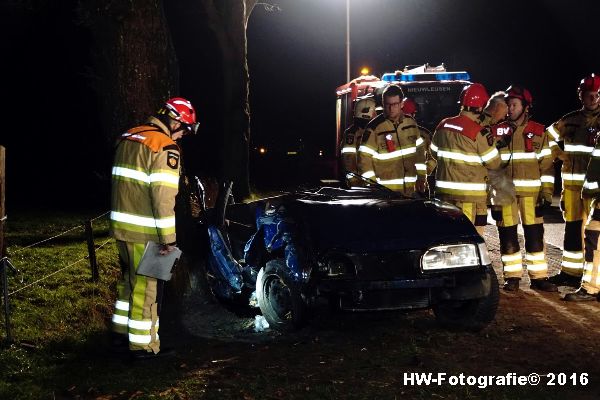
(347, 40)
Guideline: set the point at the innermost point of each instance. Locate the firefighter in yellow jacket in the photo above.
(527, 161)
(590, 281)
(392, 151)
(364, 111)
(464, 151)
(573, 142)
(145, 178)
(409, 108)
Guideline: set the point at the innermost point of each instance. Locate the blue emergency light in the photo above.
(427, 76)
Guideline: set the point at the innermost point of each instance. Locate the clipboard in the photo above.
(155, 265)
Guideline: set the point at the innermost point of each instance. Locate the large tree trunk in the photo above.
(135, 64)
(210, 39)
(234, 46)
(230, 30)
(225, 25)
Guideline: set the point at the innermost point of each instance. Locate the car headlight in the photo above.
(483, 253)
(337, 266)
(451, 256)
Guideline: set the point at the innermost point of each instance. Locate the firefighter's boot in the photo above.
(580, 295)
(511, 284)
(143, 355)
(543, 285)
(564, 279)
(119, 343)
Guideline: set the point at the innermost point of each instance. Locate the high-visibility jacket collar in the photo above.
(152, 135)
(158, 123)
(396, 124)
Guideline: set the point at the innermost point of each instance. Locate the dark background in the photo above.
(296, 59)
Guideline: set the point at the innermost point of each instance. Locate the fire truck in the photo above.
(435, 90)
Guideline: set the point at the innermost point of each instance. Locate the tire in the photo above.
(470, 315)
(279, 298)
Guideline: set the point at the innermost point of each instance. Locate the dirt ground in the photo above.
(367, 355)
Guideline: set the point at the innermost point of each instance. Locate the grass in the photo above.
(60, 349)
(52, 317)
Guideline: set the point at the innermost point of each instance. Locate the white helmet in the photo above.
(365, 108)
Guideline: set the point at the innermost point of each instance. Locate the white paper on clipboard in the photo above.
(155, 265)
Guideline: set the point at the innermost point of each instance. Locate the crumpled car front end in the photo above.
(363, 250)
(397, 254)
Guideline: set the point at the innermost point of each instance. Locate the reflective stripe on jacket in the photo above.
(392, 153)
(464, 151)
(576, 131)
(591, 188)
(349, 147)
(430, 162)
(145, 178)
(527, 157)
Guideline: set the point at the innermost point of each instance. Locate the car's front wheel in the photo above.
(473, 314)
(279, 298)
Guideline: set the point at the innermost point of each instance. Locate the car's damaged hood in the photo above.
(371, 224)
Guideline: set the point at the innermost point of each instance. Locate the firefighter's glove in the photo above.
(505, 140)
(502, 143)
(167, 248)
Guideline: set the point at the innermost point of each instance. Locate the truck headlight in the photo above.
(451, 256)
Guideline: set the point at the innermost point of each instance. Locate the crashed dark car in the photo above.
(360, 249)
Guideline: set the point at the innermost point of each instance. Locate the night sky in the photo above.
(299, 53)
(297, 59)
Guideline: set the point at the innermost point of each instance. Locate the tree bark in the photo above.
(135, 63)
(227, 19)
(136, 69)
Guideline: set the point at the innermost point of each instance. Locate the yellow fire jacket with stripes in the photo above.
(577, 130)
(430, 162)
(350, 142)
(591, 188)
(145, 178)
(392, 153)
(464, 151)
(526, 156)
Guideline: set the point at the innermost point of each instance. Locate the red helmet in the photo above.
(180, 110)
(589, 84)
(409, 107)
(519, 92)
(474, 95)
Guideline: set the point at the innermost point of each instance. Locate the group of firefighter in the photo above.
(492, 154)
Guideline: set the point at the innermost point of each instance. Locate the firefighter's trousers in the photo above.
(590, 280)
(575, 212)
(507, 219)
(138, 301)
(475, 212)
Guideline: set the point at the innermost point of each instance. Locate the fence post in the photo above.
(2, 197)
(89, 235)
(3, 262)
(3, 266)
